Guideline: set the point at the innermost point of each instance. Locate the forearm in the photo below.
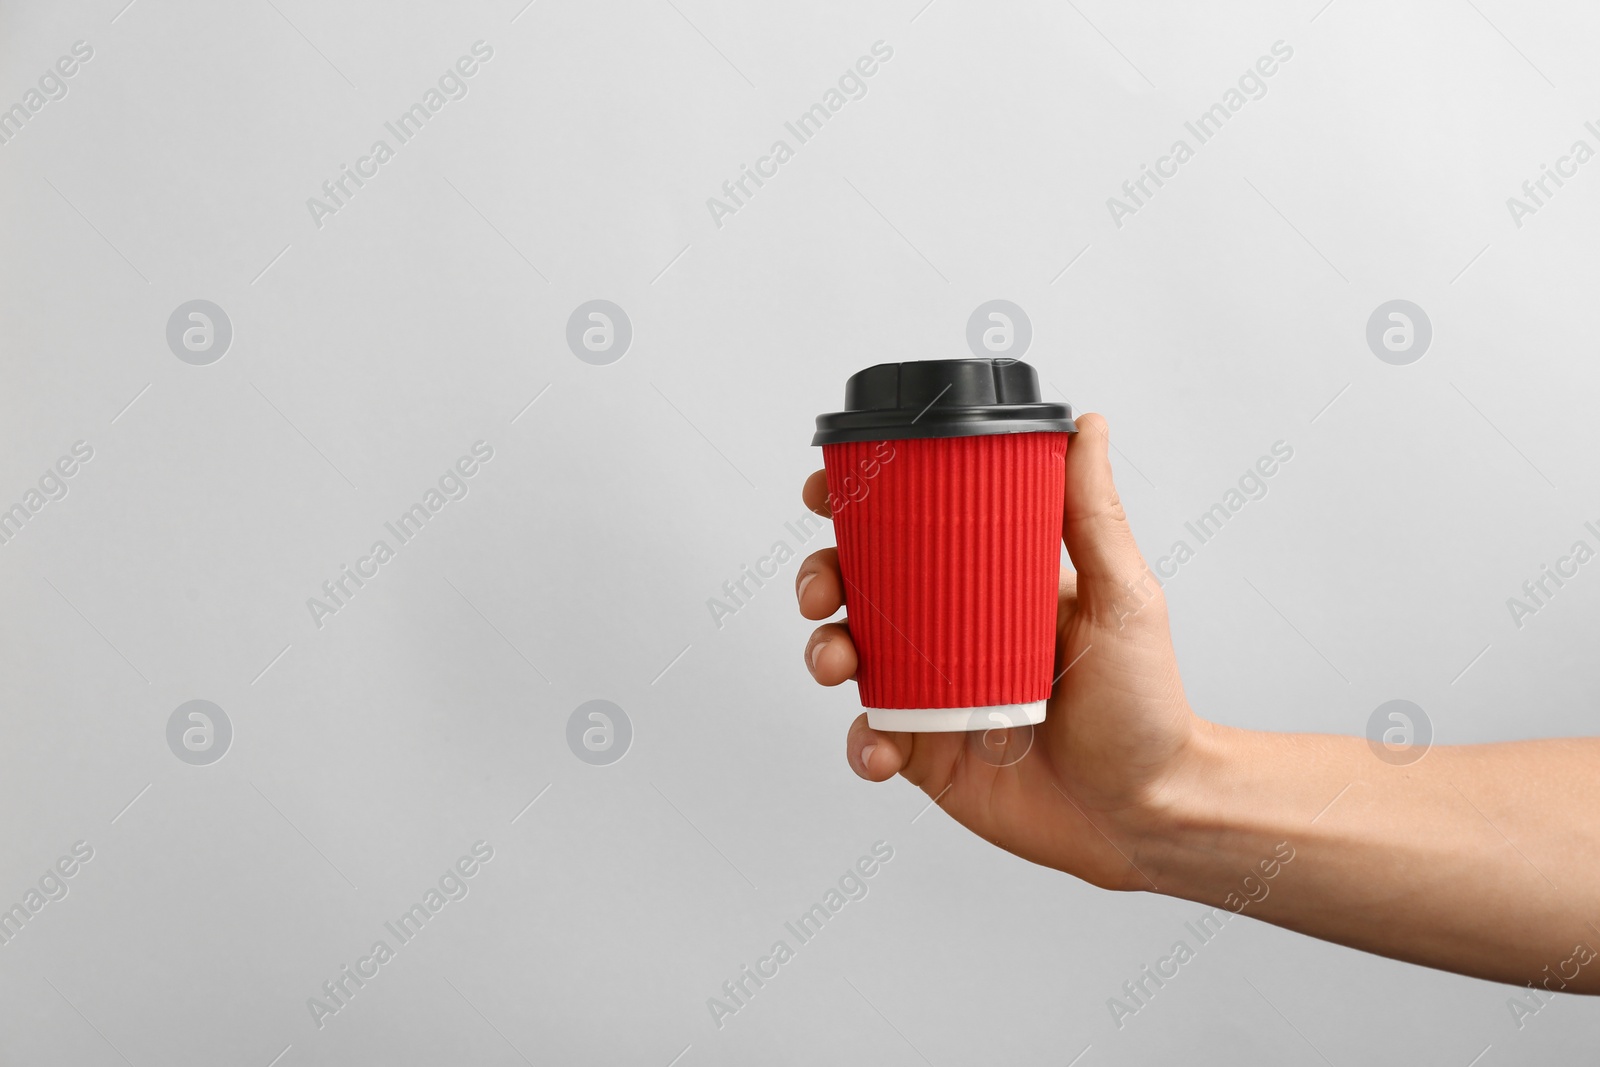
(1480, 859)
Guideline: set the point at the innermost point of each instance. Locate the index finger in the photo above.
(815, 494)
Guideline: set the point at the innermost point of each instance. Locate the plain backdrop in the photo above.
(374, 345)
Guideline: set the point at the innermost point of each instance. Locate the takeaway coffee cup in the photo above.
(946, 480)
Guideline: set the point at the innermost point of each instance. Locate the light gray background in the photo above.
(369, 354)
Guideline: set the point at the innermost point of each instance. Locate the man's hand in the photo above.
(1072, 792)
(1480, 859)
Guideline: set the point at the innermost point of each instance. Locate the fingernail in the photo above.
(800, 594)
(816, 654)
(866, 757)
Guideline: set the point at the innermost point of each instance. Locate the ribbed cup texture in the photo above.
(951, 553)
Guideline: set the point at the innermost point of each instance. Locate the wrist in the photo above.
(1194, 811)
(1237, 805)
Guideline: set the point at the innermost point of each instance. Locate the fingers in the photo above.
(1094, 526)
(874, 756)
(815, 494)
(831, 655)
(819, 585)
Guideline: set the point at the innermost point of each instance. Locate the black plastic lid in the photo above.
(942, 398)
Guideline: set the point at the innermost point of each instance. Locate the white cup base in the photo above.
(952, 720)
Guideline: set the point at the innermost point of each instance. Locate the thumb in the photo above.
(1094, 526)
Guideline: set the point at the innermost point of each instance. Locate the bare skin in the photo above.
(1478, 859)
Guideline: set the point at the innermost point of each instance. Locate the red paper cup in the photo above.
(947, 504)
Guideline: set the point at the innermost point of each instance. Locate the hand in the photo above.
(1123, 786)
(1118, 725)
